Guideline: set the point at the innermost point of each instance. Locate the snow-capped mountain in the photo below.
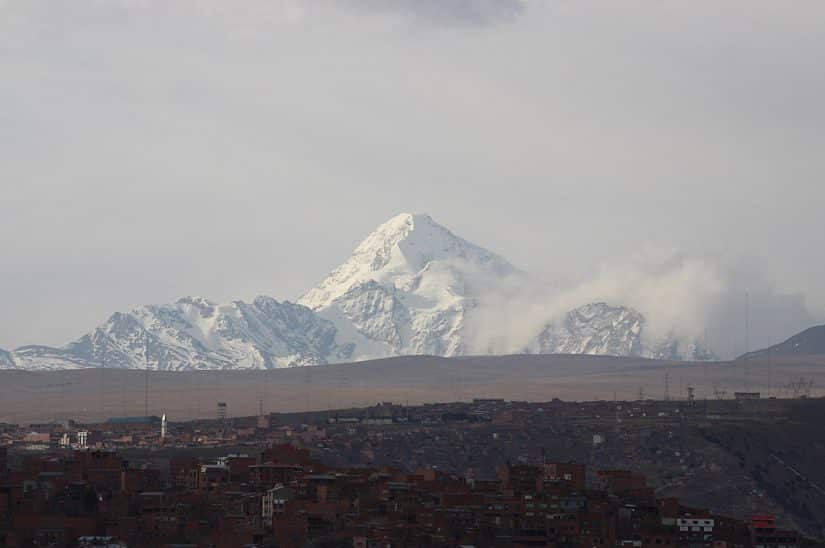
(194, 333)
(601, 329)
(399, 252)
(411, 287)
(593, 329)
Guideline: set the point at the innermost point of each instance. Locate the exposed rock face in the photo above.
(594, 329)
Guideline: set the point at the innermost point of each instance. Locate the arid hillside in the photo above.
(93, 393)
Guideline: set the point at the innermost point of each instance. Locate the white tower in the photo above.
(163, 427)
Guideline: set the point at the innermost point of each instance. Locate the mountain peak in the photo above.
(396, 252)
(406, 227)
(405, 220)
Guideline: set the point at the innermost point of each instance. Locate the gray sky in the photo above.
(151, 149)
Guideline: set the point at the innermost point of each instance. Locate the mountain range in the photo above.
(412, 287)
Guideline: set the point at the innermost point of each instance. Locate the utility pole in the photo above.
(705, 378)
(747, 338)
(707, 343)
(747, 322)
(102, 382)
(667, 386)
(308, 378)
(63, 393)
(198, 386)
(146, 376)
(123, 398)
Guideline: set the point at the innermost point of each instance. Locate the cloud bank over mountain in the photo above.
(689, 298)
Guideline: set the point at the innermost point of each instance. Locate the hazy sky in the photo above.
(151, 149)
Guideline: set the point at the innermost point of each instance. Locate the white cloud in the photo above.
(689, 298)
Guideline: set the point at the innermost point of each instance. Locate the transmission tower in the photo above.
(801, 388)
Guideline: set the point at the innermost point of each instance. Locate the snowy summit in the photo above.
(409, 286)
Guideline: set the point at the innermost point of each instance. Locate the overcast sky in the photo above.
(151, 149)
